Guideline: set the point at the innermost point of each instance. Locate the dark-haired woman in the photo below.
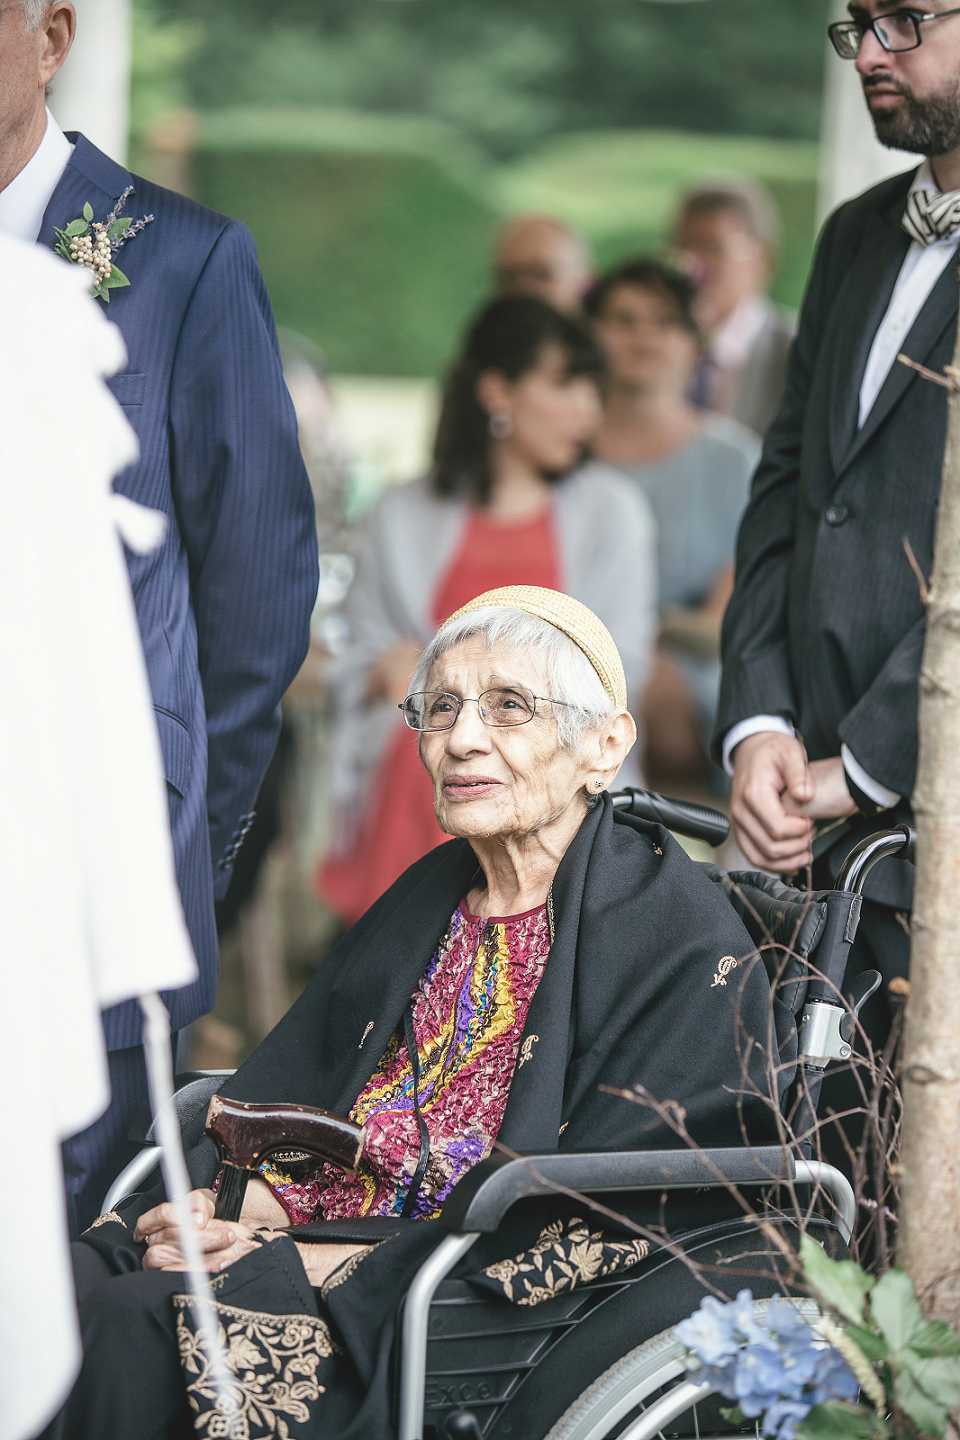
(695, 470)
(508, 501)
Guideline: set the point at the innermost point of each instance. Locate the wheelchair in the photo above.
(601, 1361)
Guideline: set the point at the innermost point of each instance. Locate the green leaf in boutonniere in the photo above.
(93, 244)
(114, 281)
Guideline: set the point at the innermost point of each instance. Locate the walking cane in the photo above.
(246, 1135)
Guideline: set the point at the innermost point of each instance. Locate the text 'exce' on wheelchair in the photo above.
(601, 1361)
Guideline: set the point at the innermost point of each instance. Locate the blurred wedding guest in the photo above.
(224, 605)
(726, 237)
(536, 255)
(694, 467)
(509, 500)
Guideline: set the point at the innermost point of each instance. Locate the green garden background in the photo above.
(373, 146)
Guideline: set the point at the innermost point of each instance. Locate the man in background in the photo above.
(726, 237)
(224, 605)
(536, 255)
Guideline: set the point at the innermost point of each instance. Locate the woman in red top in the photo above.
(508, 501)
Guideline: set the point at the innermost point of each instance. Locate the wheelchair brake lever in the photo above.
(246, 1135)
(866, 983)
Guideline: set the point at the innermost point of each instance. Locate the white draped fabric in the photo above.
(89, 909)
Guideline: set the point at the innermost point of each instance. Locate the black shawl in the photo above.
(639, 990)
(633, 993)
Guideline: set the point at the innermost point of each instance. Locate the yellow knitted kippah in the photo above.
(568, 615)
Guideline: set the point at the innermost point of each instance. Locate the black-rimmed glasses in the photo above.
(501, 707)
(896, 32)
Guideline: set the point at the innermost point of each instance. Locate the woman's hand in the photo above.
(221, 1242)
(389, 674)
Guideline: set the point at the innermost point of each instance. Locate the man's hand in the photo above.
(772, 786)
(831, 798)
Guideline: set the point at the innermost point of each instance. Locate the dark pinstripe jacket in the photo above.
(826, 625)
(224, 606)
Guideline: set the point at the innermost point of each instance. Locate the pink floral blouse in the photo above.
(469, 1013)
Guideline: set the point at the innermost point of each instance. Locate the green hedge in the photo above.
(373, 236)
(374, 233)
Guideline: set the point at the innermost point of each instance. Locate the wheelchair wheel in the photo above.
(620, 1402)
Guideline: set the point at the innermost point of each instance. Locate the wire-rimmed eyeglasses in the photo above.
(897, 31)
(501, 707)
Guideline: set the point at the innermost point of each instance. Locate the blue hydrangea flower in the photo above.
(709, 1332)
(779, 1370)
(763, 1375)
(833, 1379)
(783, 1417)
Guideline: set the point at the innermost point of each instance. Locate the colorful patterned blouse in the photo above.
(469, 1013)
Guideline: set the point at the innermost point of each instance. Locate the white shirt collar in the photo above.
(23, 202)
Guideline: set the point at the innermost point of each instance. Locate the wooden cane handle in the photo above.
(246, 1135)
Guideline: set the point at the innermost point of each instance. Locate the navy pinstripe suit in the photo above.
(224, 606)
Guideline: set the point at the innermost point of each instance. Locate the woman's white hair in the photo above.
(35, 11)
(571, 678)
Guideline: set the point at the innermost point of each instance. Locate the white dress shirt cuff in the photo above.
(753, 726)
(873, 790)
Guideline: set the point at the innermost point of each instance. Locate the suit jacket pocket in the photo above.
(128, 387)
(176, 748)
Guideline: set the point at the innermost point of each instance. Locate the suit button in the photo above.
(835, 514)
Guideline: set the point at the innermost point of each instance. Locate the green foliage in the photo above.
(372, 239)
(116, 280)
(510, 73)
(841, 1284)
(918, 1360)
(834, 1420)
(374, 233)
(598, 111)
(162, 50)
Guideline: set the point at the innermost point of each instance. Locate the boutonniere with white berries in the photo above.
(94, 244)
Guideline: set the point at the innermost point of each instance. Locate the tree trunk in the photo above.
(929, 1239)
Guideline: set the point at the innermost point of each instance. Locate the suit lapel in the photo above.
(939, 314)
(862, 305)
(90, 175)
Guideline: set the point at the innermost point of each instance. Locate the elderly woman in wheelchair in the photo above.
(554, 952)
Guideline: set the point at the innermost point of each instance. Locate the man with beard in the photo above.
(823, 637)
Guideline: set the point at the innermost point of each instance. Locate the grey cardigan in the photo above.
(607, 542)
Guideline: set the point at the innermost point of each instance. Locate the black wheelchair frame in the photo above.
(463, 1359)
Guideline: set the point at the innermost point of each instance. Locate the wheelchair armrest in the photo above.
(485, 1194)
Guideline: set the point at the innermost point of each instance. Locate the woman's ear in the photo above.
(616, 737)
(495, 392)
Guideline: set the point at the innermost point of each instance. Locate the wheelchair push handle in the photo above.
(698, 822)
(899, 844)
(245, 1135)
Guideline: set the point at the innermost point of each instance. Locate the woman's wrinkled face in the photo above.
(645, 341)
(553, 414)
(491, 781)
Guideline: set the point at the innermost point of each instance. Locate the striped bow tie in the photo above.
(931, 215)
